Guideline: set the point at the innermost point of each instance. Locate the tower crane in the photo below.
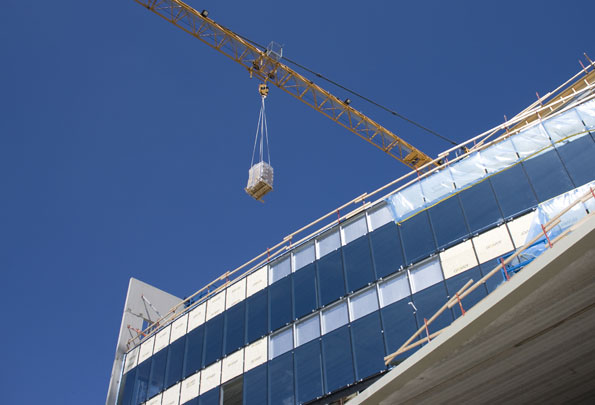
(266, 65)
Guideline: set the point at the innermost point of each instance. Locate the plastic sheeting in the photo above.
(524, 145)
(437, 185)
(531, 141)
(499, 156)
(587, 113)
(407, 200)
(468, 170)
(548, 209)
(564, 125)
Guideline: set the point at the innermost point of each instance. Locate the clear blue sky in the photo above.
(125, 146)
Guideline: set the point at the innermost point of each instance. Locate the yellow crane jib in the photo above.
(267, 67)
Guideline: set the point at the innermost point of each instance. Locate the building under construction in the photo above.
(469, 279)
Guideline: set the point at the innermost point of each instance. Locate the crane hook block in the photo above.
(263, 89)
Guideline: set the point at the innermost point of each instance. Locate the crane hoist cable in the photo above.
(262, 131)
(353, 92)
(260, 175)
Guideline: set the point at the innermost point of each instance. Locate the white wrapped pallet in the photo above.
(260, 180)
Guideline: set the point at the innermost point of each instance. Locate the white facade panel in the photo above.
(235, 293)
(172, 395)
(156, 400)
(492, 244)
(210, 377)
(233, 366)
(189, 389)
(146, 349)
(162, 339)
(196, 317)
(256, 281)
(519, 229)
(131, 359)
(216, 305)
(255, 354)
(458, 259)
(178, 328)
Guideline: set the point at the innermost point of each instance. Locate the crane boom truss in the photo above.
(268, 69)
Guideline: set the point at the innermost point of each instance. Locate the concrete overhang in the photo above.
(532, 340)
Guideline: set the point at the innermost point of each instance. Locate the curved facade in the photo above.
(319, 320)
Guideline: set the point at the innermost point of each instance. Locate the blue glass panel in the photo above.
(235, 320)
(547, 175)
(578, 159)
(141, 383)
(193, 351)
(257, 320)
(280, 303)
(157, 377)
(127, 388)
(255, 386)
(192, 402)
(368, 345)
(480, 206)
(455, 283)
(213, 339)
(337, 359)
(359, 270)
(496, 279)
(418, 238)
(175, 362)
(304, 290)
(210, 397)
(387, 250)
(448, 222)
(308, 371)
(428, 302)
(399, 324)
(330, 277)
(513, 191)
(281, 373)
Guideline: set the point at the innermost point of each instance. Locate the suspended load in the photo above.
(260, 175)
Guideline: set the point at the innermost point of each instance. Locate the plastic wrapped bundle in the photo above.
(260, 180)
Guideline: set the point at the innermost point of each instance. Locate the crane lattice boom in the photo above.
(268, 68)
